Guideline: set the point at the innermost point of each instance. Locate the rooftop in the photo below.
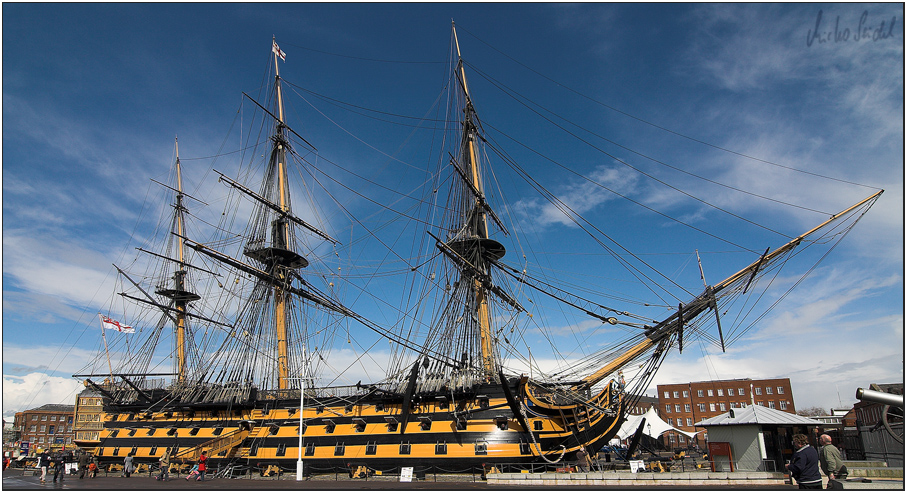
(757, 415)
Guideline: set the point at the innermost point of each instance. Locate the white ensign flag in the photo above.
(109, 323)
(276, 49)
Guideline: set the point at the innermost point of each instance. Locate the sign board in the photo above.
(406, 474)
(637, 465)
(23, 446)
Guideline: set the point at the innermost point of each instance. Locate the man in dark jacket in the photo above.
(804, 464)
(43, 463)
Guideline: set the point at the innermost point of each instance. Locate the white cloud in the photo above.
(33, 390)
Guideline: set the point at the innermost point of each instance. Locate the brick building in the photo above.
(49, 427)
(683, 404)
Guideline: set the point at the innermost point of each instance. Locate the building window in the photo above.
(710, 393)
(689, 421)
(730, 392)
(44, 418)
(768, 390)
(760, 403)
(33, 428)
(53, 418)
(34, 417)
(680, 439)
(781, 390)
(701, 407)
(712, 406)
(721, 406)
(771, 404)
(671, 421)
(43, 428)
(40, 439)
(740, 392)
(783, 405)
(758, 390)
(720, 392)
(667, 408)
(667, 395)
(51, 428)
(699, 393)
(676, 394)
(676, 408)
(686, 393)
(686, 408)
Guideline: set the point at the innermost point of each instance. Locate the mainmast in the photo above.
(281, 235)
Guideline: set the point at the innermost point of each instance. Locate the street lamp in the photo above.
(299, 475)
(301, 410)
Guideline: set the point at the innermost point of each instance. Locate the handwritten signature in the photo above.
(863, 32)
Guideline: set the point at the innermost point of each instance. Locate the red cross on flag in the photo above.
(276, 49)
(109, 323)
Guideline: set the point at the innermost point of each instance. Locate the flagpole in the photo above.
(106, 350)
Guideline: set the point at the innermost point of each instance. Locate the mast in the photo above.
(477, 226)
(178, 292)
(180, 305)
(280, 240)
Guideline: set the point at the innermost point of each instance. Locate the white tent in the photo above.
(654, 427)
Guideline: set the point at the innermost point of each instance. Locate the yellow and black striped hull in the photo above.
(454, 432)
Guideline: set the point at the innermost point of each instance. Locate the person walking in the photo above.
(804, 464)
(128, 467)
(831, 461)
(165, 466)
(202, 466)
(43, 463)
(83, 464)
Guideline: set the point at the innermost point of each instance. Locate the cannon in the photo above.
(892, 413)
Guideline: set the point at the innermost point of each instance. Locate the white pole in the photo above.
(301, 409)
(299, 474)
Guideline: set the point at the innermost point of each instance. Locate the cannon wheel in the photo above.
(893, 419)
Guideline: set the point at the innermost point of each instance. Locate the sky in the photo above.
(802, 103)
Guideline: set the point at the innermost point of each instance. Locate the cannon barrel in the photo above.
(880, 397)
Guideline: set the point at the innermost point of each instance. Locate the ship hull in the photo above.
(463, 431)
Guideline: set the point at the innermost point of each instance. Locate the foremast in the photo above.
(474, 245)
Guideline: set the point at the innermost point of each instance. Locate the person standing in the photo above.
(59, 467)
(43, 463)
(165, 466)
(804, 464)
(128, 467)
(830, 460)
(202, 466)
(582, 459)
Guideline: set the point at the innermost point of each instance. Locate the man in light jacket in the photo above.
(830, 459)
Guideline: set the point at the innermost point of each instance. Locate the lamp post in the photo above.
(301, 409)
(299, 470)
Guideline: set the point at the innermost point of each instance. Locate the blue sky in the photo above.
(93, 95)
